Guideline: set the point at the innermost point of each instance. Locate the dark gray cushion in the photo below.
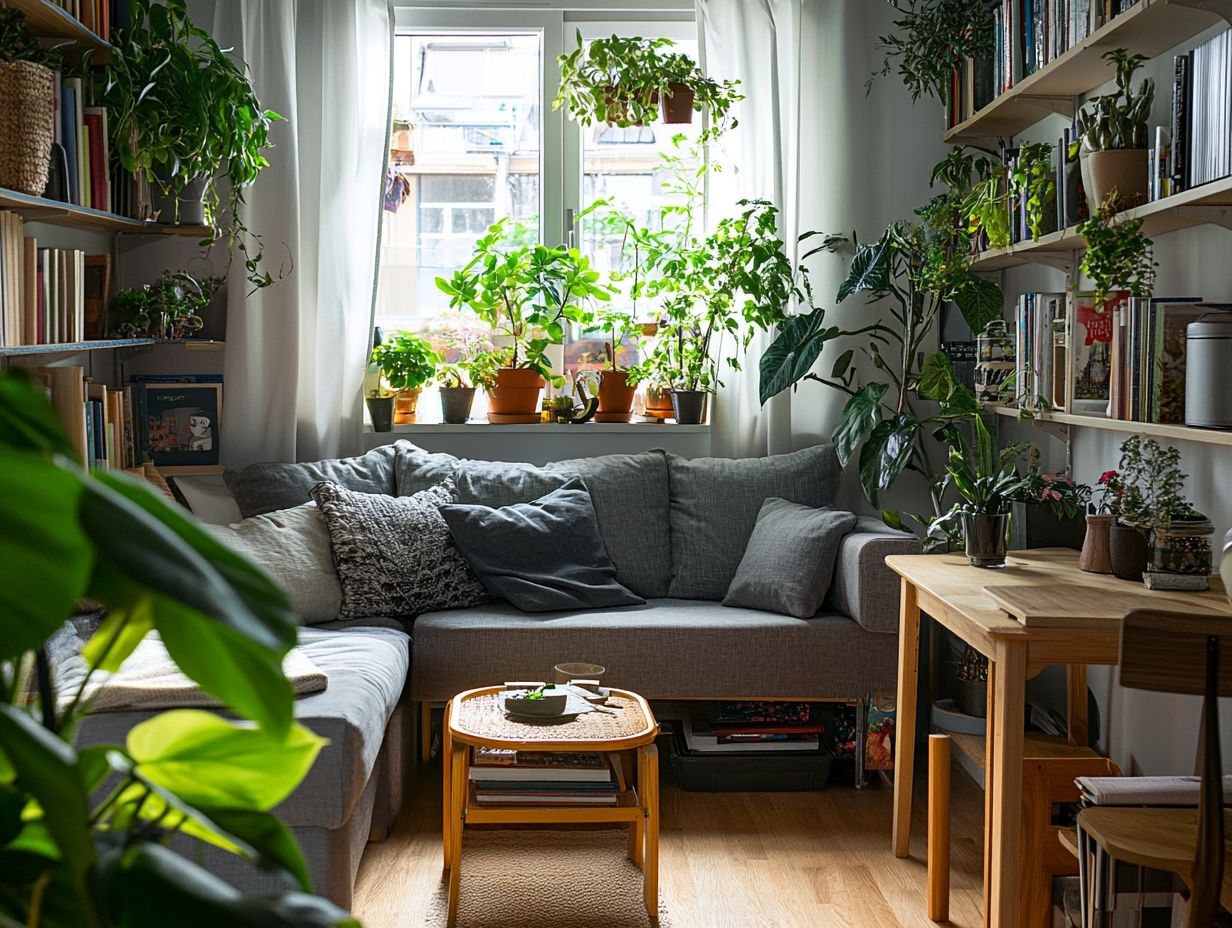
(542, 556)
(714, 506)
(394, 555)
(261, 488)
(488, 483)
(631, 498)
(667, 649)
(789, 561)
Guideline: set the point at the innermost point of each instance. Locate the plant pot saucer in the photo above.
(613, 416)
(513, 418)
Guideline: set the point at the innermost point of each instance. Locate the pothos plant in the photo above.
(1117, 256)
(181, 110)
(932, 40)
(1032, 174)
(84, 830)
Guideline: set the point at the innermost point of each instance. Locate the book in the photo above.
(496, 765)
(66, 387)
(1090, 352)
(699, 736)
(547, 799)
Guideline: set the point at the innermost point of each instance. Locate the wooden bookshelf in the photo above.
(1149, 28)
(48, 21)
(107, 344)
(54, 212)
(1155, 429)
(1210, 203)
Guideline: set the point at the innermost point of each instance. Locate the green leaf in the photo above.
(45, 558)
(842, 363)
(28, 420)
(869, 271)
(893, 519)
(793, 352)
(980, 301)
(885, 454)
(209, 761)
(937, 379)
(119, 634)
(860, 416)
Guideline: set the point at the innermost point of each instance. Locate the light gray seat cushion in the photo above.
(260, 488)
(367, 670)
(667, 649)
(714, 506)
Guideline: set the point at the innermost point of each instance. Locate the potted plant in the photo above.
(932, 40)
(185, 114)
(624, 82)
(171, 307)
(1096, 556)
(380, 403)
(1148, 488)
(526, 295)
(407, 362)
(1050, 512)
(1117, 257)
(471, 363)
(973, 682)
(1113, 130)
(1034, 179)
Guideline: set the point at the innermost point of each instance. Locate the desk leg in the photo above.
(446, 789)
(458, 781)
(1009, 681)
(908, 680)
(648, 791)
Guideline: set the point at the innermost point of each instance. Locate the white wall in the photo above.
(1146, 732)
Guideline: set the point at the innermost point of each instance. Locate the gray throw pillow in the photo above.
(292, 546)
(394, 554)
(488, 483)
(789, 562)
(541, 556)
(260, 488)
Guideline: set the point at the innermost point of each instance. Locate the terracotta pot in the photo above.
(456, 404)
(1096, 557)
(1130, 550)
(689, 406)
(381, 411)
(515, 397)
(650, 329)
(659, 404)
(615, 397)
(1123, 172)
(406, 405)
(677, 105)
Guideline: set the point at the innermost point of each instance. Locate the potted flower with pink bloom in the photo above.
(1049, 511)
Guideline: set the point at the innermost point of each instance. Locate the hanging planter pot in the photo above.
(676, 104)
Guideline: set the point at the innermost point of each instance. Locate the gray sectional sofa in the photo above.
(675, 529)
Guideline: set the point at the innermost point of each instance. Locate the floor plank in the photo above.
(733, 860)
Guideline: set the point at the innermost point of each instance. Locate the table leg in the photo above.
(990, 715)
(648, 792)
(908, 679)
(1076, 705)
(1005, 763)
(446, 789)
(458, 802)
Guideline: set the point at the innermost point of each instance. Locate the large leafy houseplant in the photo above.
(183, 112)
(70, 856)
(932, 40)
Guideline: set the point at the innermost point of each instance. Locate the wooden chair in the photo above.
(1168, 652)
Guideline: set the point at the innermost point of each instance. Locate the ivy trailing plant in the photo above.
(84, 831)
(1034, 176)
(1118, 120)
(932, 40)
(1117, 256)
(181, 109)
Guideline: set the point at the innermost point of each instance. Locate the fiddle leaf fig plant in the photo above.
(1118, 120)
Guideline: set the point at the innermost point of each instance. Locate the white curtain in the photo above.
(296, 351)
(832, 158)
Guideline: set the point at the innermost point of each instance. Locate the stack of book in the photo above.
(1039, 350)
(1148, 357)
(748, 727)
(540, 778)
(98, 420)
(1201, 130)
(48, 295)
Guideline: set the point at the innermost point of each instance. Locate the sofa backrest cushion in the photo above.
(483, 483)
(714, 506)
(261, 488)
(630, 494)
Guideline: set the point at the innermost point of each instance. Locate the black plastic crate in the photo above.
(753, 772)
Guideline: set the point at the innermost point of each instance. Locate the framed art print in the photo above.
(180, 426)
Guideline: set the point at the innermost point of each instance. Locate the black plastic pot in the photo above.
(381, 411)
(985, 537)
(456, 404)
(689, 406)
(1130, 550)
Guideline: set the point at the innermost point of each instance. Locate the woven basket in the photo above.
(27, 126)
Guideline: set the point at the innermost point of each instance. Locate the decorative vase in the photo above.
(1096, 557)
(973, 697)
(406, 405)
(1129, 550)
(456, 404)
(381, 411)
(985, 537)
(659, 403)
(688, 406)
(1122, 172)
(615, 397)
(676, 105)
(514, 398)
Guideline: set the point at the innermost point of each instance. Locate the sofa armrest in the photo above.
(864, 587)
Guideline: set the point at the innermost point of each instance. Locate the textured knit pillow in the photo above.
(541, 556)
(394, 554)
(789, 561)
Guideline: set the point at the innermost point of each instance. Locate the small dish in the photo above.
(546, 707)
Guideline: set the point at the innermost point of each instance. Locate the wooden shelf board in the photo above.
(107, 344)
(40, 209)
(48, 21)
(1148, 28)
(1158, 430)
(1035, 746)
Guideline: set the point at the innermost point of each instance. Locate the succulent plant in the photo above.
(1118, 120)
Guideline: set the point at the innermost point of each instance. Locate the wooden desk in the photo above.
(951, 591)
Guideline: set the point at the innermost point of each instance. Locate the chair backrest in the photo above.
(1172, 652)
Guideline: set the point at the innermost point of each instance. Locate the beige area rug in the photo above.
(546, 879)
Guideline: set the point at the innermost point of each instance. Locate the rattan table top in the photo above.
(625, 722)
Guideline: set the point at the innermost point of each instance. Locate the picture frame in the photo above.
(180, 426)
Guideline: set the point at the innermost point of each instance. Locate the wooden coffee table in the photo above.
(476, 719)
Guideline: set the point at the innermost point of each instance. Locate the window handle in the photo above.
(570, 228)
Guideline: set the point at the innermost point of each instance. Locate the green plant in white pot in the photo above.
(1113, 130)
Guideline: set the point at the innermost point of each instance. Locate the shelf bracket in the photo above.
(1059, 430)
(1209, 215)
(1059, 262)
(1065, 106)
(1220, 8)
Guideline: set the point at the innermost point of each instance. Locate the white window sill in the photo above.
(479, 426)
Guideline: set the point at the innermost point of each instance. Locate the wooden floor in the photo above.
(732, 860)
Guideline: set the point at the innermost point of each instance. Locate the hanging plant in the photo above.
(932, 40)
(1117, 256)
(1033, 175)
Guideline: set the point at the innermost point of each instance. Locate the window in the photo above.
(475, 139)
